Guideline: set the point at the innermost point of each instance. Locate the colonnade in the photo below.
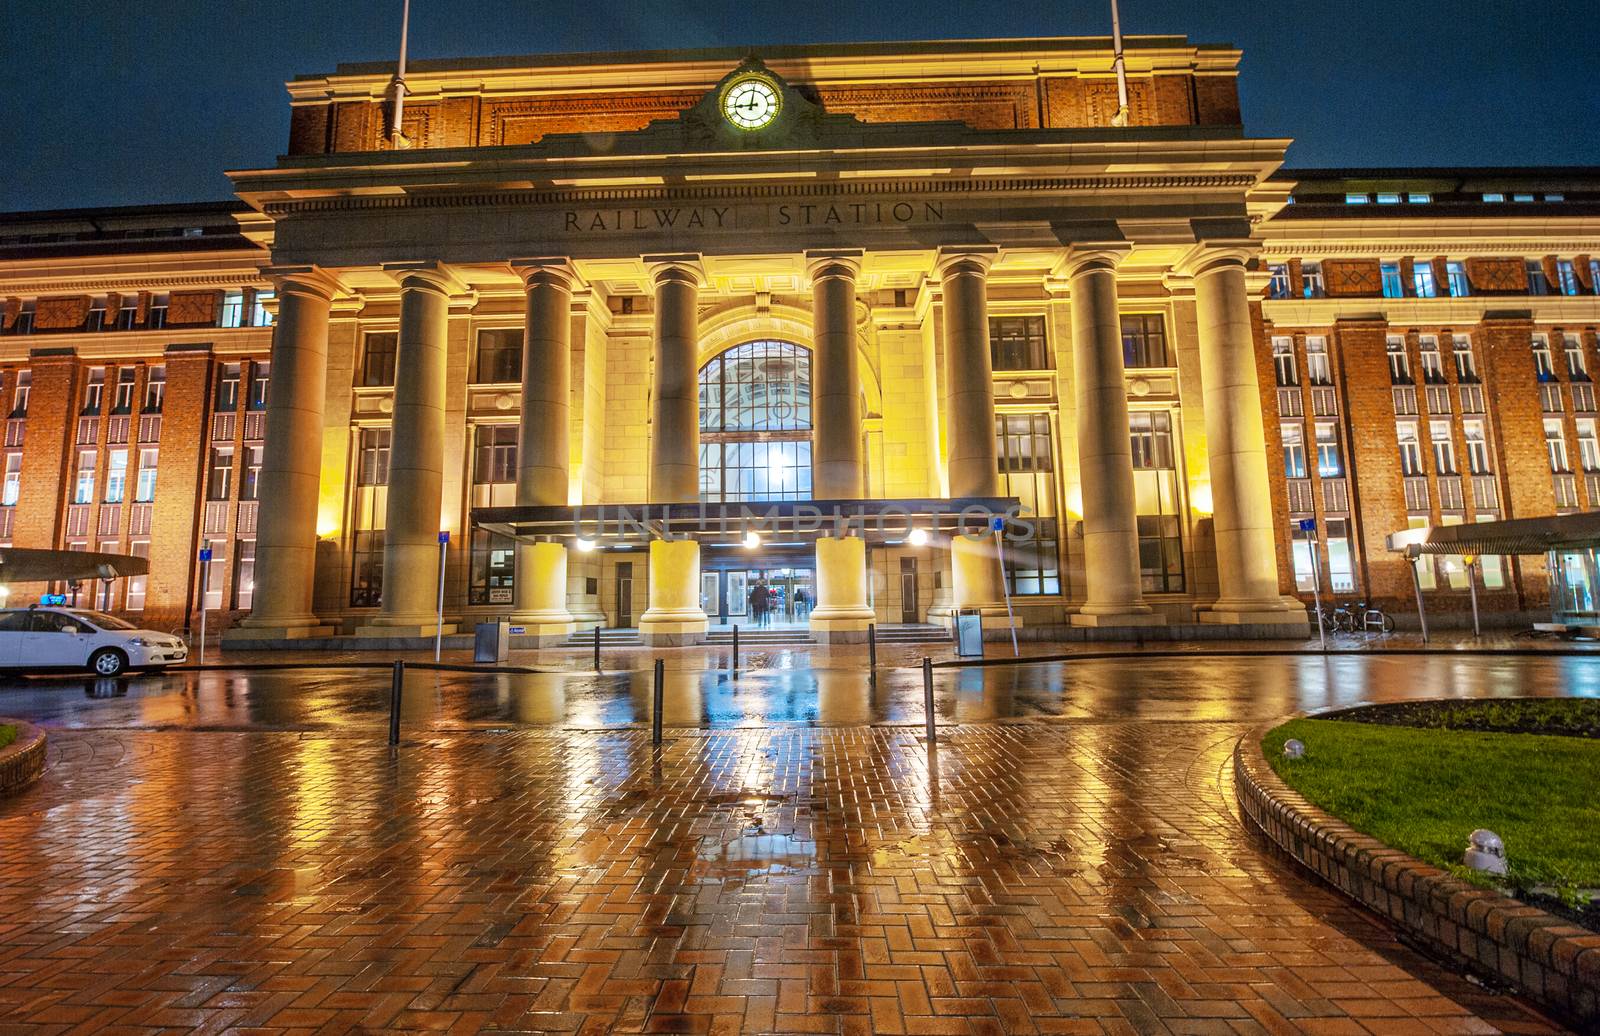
(1236, 447)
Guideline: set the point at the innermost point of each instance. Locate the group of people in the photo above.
(765, 600)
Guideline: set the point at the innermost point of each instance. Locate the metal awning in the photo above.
(792, 521)
(1512, 536)
(33, 565)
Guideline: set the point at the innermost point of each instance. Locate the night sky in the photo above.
(145, 101)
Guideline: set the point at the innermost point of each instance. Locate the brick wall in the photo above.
(176, 515)
(53, 406)
(193, 308)
(1374, 460)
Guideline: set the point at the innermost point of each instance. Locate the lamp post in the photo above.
(438, 629)
(1472, 585)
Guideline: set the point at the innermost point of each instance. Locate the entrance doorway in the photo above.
(727, 595)
(910, 606)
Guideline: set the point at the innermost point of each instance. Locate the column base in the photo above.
(672, 632)
(245, 632)
(400, 627)
(1104, 620)
(841, 625)
(1276, 611)
(545, 630)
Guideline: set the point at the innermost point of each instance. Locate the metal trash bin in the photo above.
(969, 633)
(491, 642)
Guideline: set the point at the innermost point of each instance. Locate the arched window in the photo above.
(755, 423)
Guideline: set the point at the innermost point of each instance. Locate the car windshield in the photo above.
(104, 621)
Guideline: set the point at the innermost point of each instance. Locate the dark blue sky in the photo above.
(150, 100)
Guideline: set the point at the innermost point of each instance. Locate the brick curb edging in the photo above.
(1551, 961)
(22, 761)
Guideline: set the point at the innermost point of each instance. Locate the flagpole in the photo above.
(395, 134)
(1121, 118)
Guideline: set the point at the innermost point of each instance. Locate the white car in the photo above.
(77, 638)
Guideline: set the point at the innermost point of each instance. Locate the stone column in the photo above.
(1247, 566)
(841, 613)
(286, 532)
(416, 455)
(674, 615)
(1105, 452)
(543, 447)
(971, 457)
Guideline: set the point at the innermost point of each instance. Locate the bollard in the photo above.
(872, 645)
(735, 665)
(655, 708)
(597, 649)
(927, 698)
(395, 688)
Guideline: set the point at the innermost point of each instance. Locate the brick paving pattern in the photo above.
(1073, 877)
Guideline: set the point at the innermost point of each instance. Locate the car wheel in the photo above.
(108, 662)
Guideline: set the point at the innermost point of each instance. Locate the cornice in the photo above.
(1548, 309)
(131, 282)
(1315, 247)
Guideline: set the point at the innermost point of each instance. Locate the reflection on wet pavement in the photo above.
(1176, 689)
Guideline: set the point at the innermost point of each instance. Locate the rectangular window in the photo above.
(144, 486)
(214, 573)
(250, 487)
(1594, 275)
(1460, 286)
(220, 485)
(377, 359)
(260, 315)
(244, 575)
(1278, 285)
(1493, 197)
(1294, 450)
(1588, 445)
(1317, 366)
(122, 401)
(1477, 447)
(83, 485)
(1144, 341)
(1399, 362)
(1555, 444)
(134, 601)
(19, 396)
(1491, 565)
(1027, 471)
(372, 462)
(1522, 198)
(116, 475)
(1566, 277)
(1538, 283)
(1356, 199)
(155, 388)
(1422, 277)
(1156, 502)
(499, 357)
(228, 389)
(1444, 447)
(1018, 344)
(1329, 462)
(1419, 198)
(11, 488)
(260, 378)
(1283, 360)
(1305, 573)
(233, 309)
(97, 316)
(1466, 363)
(1341, 563)
(494, 454)
(94, 390)
(1388, 198)
(493, 568)
(1393, 286)
(1432, 362)
(1577, 366)
(1426, 573)
(157, 317)
(1410, 448)
(127, 314)
(1311, 278)
(1543, 362)
(366, 568)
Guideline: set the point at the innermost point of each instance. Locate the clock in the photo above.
(751, 103)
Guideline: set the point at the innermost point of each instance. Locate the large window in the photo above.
(19, 396)
(755, 423)
(1477, 447)
(1283, 361)
(1410, 448)
(1144, 341)
(1027, 470)
(144, 486)
(1422, 277)
(1577, 366)
(228, 389)
(377, 359)
(1399, 362)
(1155, 486)
(1294, 449)
(1543, 363)
(494, 454)
(221, 481)
(155, 388)
(11, 489)
(1330, 462)
(116, 475)
(1555, 444)
(366, 569)
(1460, 286)
(1466, 363)
(1317, 367)
(244, 575)
(1444, 447)
(83, 487)
(122, 401)
(1018, 344)
(1393, 286)
(492, 562)
(499, 356)
(372, 460)
(260, 378)
(1432, 361)
(371, 498)
(250, 482)
(94, 390)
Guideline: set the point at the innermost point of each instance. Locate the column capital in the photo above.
(957, 259)
(1214, 256)
(1086, 256)
(304, 280)
(824, 263)
(682, 267)
(426, 274)
(555, 271)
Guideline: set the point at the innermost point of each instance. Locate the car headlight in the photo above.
(141, 642)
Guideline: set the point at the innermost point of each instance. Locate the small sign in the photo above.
(997, 525)
(1308, 525)
(444, 537)
(500, 595)
(48, 599)
(517, 631)
(205, 553)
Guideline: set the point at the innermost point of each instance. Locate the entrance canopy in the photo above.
(1559, 532)
(785, 521)
(32, 565)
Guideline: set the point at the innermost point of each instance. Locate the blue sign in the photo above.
(205, 553)
(444, 537)
(997, 525)
(1308, 525)
(52, 599)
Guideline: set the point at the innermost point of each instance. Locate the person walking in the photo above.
(758, 603)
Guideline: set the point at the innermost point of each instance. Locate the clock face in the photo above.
(750, 103)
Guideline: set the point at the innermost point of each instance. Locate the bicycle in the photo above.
(1357, 617)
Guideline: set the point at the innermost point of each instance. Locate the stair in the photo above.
(913, 633)
(608, 638)
(757, 638)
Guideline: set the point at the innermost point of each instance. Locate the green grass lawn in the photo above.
(1569, 717)
(1424, 791)
(8, 734)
